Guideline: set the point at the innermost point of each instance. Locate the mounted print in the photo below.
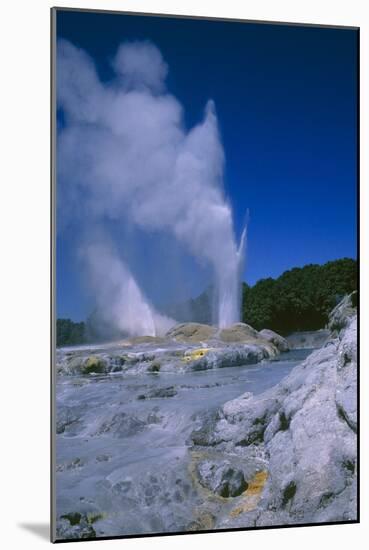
(204, 278)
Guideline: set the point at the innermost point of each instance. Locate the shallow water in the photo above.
(122, 451)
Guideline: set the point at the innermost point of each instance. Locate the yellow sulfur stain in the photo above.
(256, 485)
(252, 494)
(195, 354)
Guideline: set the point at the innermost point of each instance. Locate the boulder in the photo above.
(222, 478)
(340, 316)
(72, 364)
(75, 363)
(231, 356)
(191, 332)
(239, 332)
(94, 365)
(205, 434)
(280, 343)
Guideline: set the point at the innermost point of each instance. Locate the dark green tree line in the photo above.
(69, 333)
(300, 299)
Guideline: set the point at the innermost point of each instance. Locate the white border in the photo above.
(24, 299)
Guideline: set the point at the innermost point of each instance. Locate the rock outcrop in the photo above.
(280, 343)
(342, 313)
(239, 332)
(305, 430)
(189, 346)
(94, 364)
(191, 332)
(310, 339)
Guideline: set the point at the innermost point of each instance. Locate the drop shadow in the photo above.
(42, 530)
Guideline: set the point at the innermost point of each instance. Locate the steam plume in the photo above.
(119, 298)
(125, 148)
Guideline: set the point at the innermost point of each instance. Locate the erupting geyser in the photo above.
(125, 157)
(229, 286)
(120, 300)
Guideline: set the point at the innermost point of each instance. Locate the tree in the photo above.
(301, 298)
(69, 333)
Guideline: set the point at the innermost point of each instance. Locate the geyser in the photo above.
(119, 298)
(229, 286)
(125, 157)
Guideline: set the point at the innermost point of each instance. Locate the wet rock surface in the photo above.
(278, 341)
(123, 446)
(203, 435)
(306, 429)
(189, 346)
(159, 393)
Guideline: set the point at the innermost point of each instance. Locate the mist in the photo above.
(124, 148)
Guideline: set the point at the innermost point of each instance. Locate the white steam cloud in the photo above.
(128, 310)
(125, 146)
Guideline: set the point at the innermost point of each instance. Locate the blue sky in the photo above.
(286, 103)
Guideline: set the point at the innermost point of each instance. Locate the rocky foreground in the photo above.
(288, 455)
(173, 449)
(186, 347)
